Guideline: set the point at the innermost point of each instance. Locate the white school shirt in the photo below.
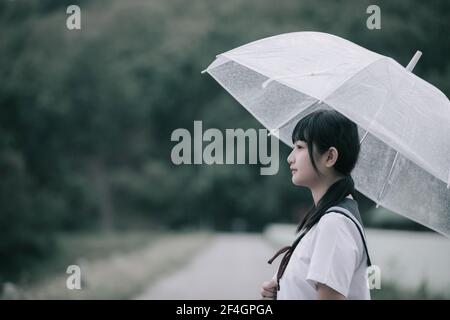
(332, 253)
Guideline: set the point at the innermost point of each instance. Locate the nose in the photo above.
(290, 158)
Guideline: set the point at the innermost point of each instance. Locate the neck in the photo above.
(321, 188)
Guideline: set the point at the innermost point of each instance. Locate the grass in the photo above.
(77, 247)
(113, 266)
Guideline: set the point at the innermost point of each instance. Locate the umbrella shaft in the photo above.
(388, 179)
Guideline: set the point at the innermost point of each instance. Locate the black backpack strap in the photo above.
(369, 262)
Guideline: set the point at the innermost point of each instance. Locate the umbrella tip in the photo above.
(265, 83)
(448, 179)
(413, 61)
(377, 206)
(203, 71)
(273, 132)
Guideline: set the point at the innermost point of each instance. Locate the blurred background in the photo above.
(86, 176)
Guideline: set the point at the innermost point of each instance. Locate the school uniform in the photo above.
(332, 253)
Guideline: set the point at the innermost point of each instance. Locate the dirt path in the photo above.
(233, 266)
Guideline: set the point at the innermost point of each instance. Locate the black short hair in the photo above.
(328, 128)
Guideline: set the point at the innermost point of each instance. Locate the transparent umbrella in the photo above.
(403, 121)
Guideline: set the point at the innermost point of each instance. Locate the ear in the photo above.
(331, 157)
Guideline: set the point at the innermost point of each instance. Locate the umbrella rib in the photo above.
(353, 75)
(296, 114)
(294, 75)
(364, 137)
(388, 180)
(375, 117)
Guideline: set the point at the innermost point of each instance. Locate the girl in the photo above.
(329, 258)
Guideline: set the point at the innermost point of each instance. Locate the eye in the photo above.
(299, 147)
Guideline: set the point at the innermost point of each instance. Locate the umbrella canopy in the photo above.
(403, 121)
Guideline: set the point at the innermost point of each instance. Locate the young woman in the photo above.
(329, 258)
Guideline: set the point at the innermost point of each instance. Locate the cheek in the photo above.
(303, 159)
(305, 165)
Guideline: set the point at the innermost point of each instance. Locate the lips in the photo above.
(293, 170)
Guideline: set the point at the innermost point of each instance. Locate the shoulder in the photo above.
(335, 219)
(339, 227)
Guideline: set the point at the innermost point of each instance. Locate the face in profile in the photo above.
(302, 169)
(303, 173)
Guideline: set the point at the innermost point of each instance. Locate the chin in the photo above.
(299, 182)
(296, 182)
